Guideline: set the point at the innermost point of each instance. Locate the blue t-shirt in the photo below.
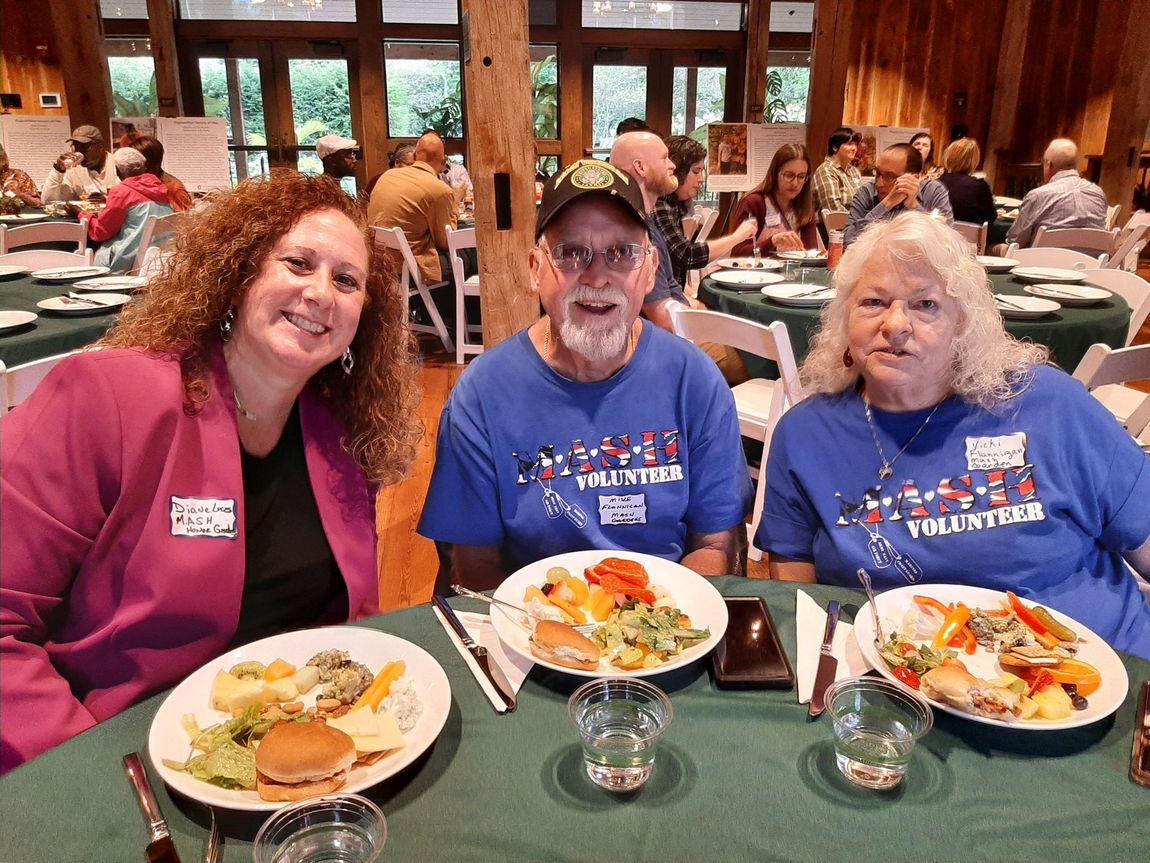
(1040, 496)
(540, 465)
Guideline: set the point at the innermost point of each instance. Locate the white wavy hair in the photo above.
(987, 365)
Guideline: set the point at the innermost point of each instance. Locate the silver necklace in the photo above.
(887, 469)
(244, 412)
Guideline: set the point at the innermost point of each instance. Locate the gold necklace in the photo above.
(887, 469)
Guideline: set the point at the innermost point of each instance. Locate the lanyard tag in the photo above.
(908, 567)
(880, 551)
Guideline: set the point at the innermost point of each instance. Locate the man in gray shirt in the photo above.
(1066, 201)
(897, 188)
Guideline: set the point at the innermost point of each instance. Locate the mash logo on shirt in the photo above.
(203, 517)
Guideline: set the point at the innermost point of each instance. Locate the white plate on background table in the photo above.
(69, 274)
(997, 265)
(984, 664)
(69, 306)
(1070, 295)
(23, 217)
(111, 283)
(11, 271)
(12, 319)
(807, 257)
(748, 264)
(167, 738)
(1024, 308)
(745, 278)
(1036, 275)
(693, 594)
(1003, 201)
(799, 294)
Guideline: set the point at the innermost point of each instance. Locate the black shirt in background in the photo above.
(970, 198)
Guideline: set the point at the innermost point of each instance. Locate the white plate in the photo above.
(1036, 275)
(892, 604)
(693, 594)
(167, 738)
(1024, 308)
(68, 274)
(63, 306)
(740, 278)
(11, 271)
(748, 264)
(115, 283)
(997, 265)
(1003, 201)
(1070, 295)
(23, 217)
(10, 320)
(809, 257)
(787, 294)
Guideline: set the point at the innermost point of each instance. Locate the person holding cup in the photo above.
(84, 172)
(781, 206)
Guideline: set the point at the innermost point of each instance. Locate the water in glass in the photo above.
(619, 744)
(873, 747)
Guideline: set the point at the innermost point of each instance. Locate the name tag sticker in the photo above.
(772, 220)
(623, 509)
(198, 517)
(996, 453)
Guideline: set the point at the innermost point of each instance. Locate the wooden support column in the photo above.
(830, 59)
(78, 43)
(372, 134)
(1129, 107)
(501, 148)
(758, 37)
(162, 30)
(1007, 84)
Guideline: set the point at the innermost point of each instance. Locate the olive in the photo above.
(547, 588)
(1077, 700)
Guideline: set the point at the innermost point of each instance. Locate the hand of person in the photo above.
(63, 162)
(787, 241)
(907, 186)
(746, 230)
(71, 210)
(96, 197)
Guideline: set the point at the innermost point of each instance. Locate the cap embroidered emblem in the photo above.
(592, 177)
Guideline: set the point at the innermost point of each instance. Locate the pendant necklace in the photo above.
(244, 412)
(887, 469)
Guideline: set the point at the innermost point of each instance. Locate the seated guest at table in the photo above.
(690, 158)
(590, 428)
(207, 478)
(85, 172)
(337, 154)
(959, 456)
(924, 143)
(153, 150)
(17, 182)
(1065, 201)
(897, 188)
(837, 179)
(970, 197)
(119, 227)
(631, 124)
(782, 205)
(457, 177)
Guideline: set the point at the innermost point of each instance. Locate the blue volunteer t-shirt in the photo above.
(541, 465)
(1040, 496)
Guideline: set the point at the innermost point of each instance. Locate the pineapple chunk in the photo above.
(306, 678)
(224, 687)
(283, 689)
(1028, 707)
(1053, 703)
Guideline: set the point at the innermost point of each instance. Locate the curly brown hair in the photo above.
(685, 153)
(219, 251)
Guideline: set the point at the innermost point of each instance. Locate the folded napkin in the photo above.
(478, 626)
(810, 623)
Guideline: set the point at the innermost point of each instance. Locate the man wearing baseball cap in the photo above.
(85, 171)
(592, 428)
(337, 154)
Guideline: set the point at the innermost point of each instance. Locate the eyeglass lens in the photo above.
(576, 256)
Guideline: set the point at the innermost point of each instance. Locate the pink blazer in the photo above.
(105, 598)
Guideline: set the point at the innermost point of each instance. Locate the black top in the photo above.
(970, 198)
(291, 576)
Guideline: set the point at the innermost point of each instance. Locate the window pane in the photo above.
(231, 89)
(319, 99)
(796, 17)
(270, 10)
(421, 11)
(545, 90)
(787, 90)
(124, 8)
(133, 74)
(707, 84)
(423, 89)
(618, 92)
(645, 15)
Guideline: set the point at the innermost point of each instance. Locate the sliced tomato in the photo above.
(613, 584)
(591, 575)
(907, 676)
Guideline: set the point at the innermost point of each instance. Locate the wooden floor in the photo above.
(407, 561)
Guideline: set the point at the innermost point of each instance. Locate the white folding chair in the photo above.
(1089, 241)
(835, 220)
(710, 217)
(1067, 259)
(396, 240)
(759, 402)
(973, 232)
(39, 259)
(457, 241)
(1132, 288)
(1112, 215)
(155, 243)
(44, 232)
(691, 226)
(1105, 370)
(1131, 239)
(17, 382)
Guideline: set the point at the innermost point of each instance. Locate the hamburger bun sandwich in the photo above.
(959, 688)
(559, 644)
(296, 760)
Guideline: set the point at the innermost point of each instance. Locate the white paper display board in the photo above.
(888, 136)
(875, 139)
(33, 142)
(196, 151)
(739, 154)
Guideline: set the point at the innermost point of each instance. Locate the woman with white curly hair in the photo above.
(937, 448)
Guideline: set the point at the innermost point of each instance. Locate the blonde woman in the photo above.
(970, 197)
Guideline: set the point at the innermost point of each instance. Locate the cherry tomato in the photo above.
(905, 648)
(905, 675)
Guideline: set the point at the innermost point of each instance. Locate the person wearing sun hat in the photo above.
(85, 171)
(591, 428)
(338, 155)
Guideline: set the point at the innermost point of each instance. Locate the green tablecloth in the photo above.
(1068, 333)
(996, 232)
(51, 333)
(741, 776)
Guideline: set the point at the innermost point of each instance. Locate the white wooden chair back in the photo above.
(159, 232)
(1067, 259)
(1132, 288)
(691, 225)
(18, 382)
(1112, 215)
(457, 241)
(1131, 239)
(44, 232)
(973, 232)
(1086, 240)
(707, 225)
(835, 220)
(39, 259)
(1105, 371)
(410, 275)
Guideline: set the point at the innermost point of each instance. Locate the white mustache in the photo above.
(584, 294)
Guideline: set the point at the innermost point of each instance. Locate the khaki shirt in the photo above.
(417, 201)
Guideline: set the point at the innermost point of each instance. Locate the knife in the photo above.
(492, 671)
(160, 848)
(825, 675)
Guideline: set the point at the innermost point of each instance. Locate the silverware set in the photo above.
(161, 848)
(74, 299)
(463, 591)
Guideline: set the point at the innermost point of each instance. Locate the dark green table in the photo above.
(741, 776)
(1068, 333)
(51, 333)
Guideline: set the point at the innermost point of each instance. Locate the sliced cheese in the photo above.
(370, 731)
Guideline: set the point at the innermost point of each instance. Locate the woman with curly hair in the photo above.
(207, 478)
(782, 205)
(937, 448)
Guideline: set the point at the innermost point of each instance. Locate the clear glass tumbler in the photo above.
(620, 721)
(341, 828)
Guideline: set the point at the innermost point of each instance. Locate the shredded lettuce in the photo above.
(657, 629)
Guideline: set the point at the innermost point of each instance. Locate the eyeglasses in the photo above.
(886, 176)
(791, 176)
(574, 257)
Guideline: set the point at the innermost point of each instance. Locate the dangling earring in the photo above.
(848, 360)
(226, 324)
(348, 361)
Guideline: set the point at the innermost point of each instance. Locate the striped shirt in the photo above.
(1067, 201)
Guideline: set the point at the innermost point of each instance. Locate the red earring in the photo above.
(848, 360)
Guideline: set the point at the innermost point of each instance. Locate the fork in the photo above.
(810, 293)
(212, 848)
(71, 300)
(1003, 301)
(463, 591)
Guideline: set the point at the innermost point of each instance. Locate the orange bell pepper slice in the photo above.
(1031, 622)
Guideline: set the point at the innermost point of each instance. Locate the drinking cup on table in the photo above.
(344, 827)
(876, 726)
(620, 721)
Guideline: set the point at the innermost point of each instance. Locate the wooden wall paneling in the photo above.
(1102, 75)
(28, 56)
(78, 42)
(830, 56)
(998, 151)
(756, 54)
(1130, 108)
(162, 31)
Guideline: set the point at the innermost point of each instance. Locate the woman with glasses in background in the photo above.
(782, 205)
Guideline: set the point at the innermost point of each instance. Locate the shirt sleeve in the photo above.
(936, 197)
(827, 190)
(56, 187)
(984, 200)
(865, 208)
(443, 213)
(750, 207)
(104, 225)
(1022, 231)
(684, 254)
(789, 522)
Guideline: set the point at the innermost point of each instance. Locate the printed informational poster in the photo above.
(196, 151)
(739, 154)
(33, 142)
(875, 139)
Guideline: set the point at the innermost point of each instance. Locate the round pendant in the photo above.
(885, 472)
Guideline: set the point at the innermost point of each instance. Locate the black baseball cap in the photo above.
(589, 177)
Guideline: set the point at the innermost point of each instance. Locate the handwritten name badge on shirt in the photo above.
(623, 509)
(996, 453)
(772, 220)
(199, 517)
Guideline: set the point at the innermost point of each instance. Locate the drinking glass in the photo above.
(620, 721)
(341, 828)
(876, 726)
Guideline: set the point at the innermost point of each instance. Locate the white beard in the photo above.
(602, 339)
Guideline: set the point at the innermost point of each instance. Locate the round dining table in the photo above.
(741, 775)
(50, 333)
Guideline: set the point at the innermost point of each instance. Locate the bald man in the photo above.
(1066, 201)
(415, 199)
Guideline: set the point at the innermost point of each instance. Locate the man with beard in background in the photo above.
(591, 428)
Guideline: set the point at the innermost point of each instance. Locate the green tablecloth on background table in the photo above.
(1068, 333)
(50, 333)
(740, 776)
(996, 232)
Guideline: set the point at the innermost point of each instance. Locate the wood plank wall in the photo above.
(23, 68)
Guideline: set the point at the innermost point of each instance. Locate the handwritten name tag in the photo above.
(996, 453)
(622, 509)
(771, 220)
(203, 517)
